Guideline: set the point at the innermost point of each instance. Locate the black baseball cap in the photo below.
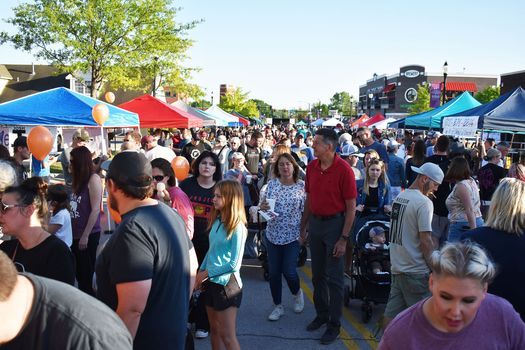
(21, 141)
(129, 168)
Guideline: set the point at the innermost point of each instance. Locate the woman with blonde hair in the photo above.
(220, 270)
(459, 314)
(503, 238)
(374, 194)
(463, 203)
(517, 171)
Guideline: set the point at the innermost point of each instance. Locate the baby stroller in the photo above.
(364, 284)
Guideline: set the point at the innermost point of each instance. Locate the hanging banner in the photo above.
(460, 126)
(435, 95)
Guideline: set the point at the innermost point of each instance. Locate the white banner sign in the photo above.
(460, 126)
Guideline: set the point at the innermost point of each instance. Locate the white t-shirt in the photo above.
(160, 152)
(411, 214)
(65, 233)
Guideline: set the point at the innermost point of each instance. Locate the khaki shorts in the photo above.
(405, 291)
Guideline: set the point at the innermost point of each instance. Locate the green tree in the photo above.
(320, 110)
(342, 102)
(237, 100)
(124, 42)
(202, 104)
(488, 94)
(422, 102)
(263, 107)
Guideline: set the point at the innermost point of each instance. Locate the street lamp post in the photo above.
(445, 73)
(371, 100)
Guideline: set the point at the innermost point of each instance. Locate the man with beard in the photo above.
(411, 242)
(144, 272)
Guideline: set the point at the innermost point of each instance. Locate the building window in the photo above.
(83, 88)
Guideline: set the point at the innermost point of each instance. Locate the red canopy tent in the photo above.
(376, 118)
(154, 113)
(360, 120)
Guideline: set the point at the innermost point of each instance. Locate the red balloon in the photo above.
(109, 96)
(100, 113)
(180, 167)
(40, 142)
(113, 213)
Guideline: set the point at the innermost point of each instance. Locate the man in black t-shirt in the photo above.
(193, 149)
(39, 313)
(440, 222)
(144, 270)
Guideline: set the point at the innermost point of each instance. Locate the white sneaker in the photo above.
(276, 313)
(298, 305)
(201, 334)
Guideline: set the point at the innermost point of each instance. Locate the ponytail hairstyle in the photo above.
(33, 192)
(58, 194)
(233, 213)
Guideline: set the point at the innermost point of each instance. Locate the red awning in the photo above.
(461, 86)
(244, 121)
(389, 87)
(375, 119)
(154, 113)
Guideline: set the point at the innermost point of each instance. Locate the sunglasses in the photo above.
(5, 207)
(159, 178)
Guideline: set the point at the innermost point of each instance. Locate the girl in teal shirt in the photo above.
(219, 274)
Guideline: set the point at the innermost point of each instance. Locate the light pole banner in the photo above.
(435, 95)
(460, 126)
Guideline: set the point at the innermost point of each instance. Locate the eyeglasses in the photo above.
(5, 207)
(159, 177)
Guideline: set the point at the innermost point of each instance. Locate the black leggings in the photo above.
(85, 262)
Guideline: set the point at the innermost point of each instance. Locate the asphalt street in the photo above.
(255, 332)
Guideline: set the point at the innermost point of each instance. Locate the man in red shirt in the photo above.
(329, 211)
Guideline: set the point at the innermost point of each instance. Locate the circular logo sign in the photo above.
(411, 95)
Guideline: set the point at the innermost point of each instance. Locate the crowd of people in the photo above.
(456, 212)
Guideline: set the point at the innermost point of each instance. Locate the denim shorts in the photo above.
(459, 228)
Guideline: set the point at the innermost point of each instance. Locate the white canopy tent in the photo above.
(332, 122)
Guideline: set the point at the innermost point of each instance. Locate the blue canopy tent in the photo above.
(318, 122)
(432, 119)
(61, 107)
(506, 113)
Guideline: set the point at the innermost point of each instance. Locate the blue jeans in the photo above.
(282, 260)
(459, 228)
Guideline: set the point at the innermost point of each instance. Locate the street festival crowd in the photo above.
(455, 244)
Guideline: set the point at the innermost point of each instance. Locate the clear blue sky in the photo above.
(289, 53)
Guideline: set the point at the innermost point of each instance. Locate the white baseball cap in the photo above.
(431, 170)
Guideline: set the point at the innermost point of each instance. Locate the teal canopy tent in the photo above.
(432, 119)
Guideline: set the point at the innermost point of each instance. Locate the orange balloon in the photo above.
(100, 113)
(40, 142)
(180, 167)
(113, 213)
(110, 97)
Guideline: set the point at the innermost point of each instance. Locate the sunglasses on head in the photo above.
(5, 207)
(159, 177)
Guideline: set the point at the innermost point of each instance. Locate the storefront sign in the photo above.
(412, 73)
(460, 126)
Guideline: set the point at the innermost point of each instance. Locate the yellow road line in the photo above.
(345, 337)
(363, 331)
